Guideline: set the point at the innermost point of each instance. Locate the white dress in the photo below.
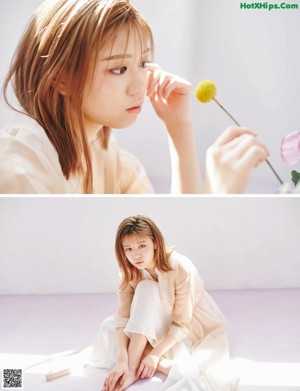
(29, 164)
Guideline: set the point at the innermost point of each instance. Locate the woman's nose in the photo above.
(137, 84)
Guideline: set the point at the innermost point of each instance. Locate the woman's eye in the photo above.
(127, 249)
(119, 71)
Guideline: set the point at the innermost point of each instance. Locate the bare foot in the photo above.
(130, 379)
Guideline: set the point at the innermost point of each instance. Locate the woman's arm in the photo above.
(170, 96)
(229, 161)
(186, 177)
(150, 362)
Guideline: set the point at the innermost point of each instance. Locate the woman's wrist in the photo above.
(182, 138)
(155, 352)
(178, 129)
(164, 346)
(186, 177)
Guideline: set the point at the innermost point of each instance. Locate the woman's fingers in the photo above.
(154, 73)
(170, 97)
(162, 84)
(152, 81)
(145, 372)
(231, 133)
(142, 372)
(255, 155)
(249, 144)
(151, 66)
(181, 87)
(113, 378)
(150, 372)
(158, 83)
(105, 384)
(240, 145)
(244, 143)
(122, 379)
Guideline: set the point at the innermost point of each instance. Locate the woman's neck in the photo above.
(93, 134)
(152, 272)
(92, 130)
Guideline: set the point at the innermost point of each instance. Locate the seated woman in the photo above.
(165, 321)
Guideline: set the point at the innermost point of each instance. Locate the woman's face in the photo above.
(139, 250)
(115, 94)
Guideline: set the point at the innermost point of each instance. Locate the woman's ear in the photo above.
(60, 86)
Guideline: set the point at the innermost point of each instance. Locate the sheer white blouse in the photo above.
(29, 164)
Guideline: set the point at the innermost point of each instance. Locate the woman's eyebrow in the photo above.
(118, 56)
(129, 245)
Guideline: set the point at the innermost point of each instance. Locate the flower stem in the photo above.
(235, 121)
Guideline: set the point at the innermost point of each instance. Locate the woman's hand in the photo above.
(230, 160)
(169, 95)
(148, 366)
(116, 376)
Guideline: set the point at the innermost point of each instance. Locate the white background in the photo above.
(252, 55)
(66, 245)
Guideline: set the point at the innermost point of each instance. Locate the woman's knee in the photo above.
(147, 287)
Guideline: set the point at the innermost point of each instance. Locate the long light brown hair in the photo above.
(145, 227)
(60, 47)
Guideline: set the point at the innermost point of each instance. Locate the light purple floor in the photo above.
(264, 324)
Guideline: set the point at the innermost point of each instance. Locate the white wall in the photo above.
(252, 55)
(66, 245)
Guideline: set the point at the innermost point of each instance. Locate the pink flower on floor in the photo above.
(290, 148)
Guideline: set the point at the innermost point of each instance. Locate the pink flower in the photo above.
(290, 148)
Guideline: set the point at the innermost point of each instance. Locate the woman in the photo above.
(165, 318)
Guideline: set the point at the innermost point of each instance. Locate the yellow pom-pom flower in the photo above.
(205, 91)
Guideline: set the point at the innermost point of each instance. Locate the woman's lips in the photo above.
(135, 109)
(139, 263)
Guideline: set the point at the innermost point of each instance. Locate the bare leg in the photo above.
(136, 349)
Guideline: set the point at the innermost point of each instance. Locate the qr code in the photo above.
(12, 378)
